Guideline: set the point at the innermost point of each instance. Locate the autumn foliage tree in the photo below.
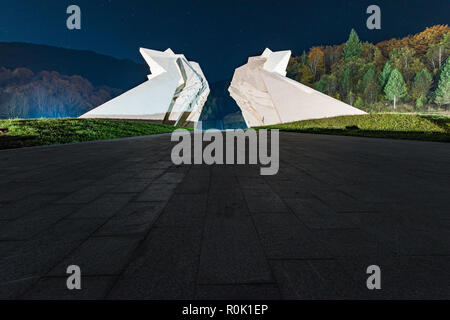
(316, 62)
(419, 42)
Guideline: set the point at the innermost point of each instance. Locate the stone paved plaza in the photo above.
(142, 228)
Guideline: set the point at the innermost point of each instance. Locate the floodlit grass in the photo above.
(381, 125)
(33, 132)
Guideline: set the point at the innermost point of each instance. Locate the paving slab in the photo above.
(184, 210)
(105, 206)
(36, 222)
(157, 192)
(285, 237)
(165, 266)
(316, 279)
(231, 250)
(135, 218)
(99, 256)
(141, 227)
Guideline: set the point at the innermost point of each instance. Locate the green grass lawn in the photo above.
(34, 132)
(377, 125)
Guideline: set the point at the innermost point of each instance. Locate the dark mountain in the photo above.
(99, 69)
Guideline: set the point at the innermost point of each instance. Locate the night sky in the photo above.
(220, 35)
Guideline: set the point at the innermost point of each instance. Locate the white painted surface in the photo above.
(175, 86)
(266, 96)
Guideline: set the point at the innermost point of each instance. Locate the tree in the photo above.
(350, 98)
(331, 56)
(316, 62)
(385, 74)
(404, 60)
(370, 92)
(368, 77)
(359, 103)
(423, 40)
(347, 82)
(442, 94)
(421, 87)
(372, 54)
(419, 42)
(349, 75)
(369, 87)
(445, 42)
(327, 84)
(438, 52)
(21, 76)
(304, 59)
(352, 48)
(396, 87)
(47, 94)
(304, 75)
(358, 72)
(292, 68)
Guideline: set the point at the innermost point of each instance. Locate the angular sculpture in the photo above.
(266, 96)
(175, 92)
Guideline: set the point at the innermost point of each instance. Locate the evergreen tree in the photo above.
(385, 74)
(442, 94)
(347, 82)
(351, 98)
(327, 84)
(353, 47)
(359, 103)
(396, 87)
(322, 84)
(304, 58)
(369, 87)
(371, 92)
(421, 86)
(368, 77)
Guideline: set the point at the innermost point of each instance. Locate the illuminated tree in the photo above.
(421, 87)
(352, 48)
(369, 87)
(442, 94)
(316, 61)
(396, 87)
(404, 60)
(304, 75)
(385, 74)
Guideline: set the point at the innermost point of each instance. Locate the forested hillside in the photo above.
(408, 74)
(51, 82)
(48, 94)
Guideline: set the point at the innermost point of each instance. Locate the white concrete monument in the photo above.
(266, 96)
(174, 93)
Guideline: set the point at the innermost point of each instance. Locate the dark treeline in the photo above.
(48, 94)
(408, 74)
